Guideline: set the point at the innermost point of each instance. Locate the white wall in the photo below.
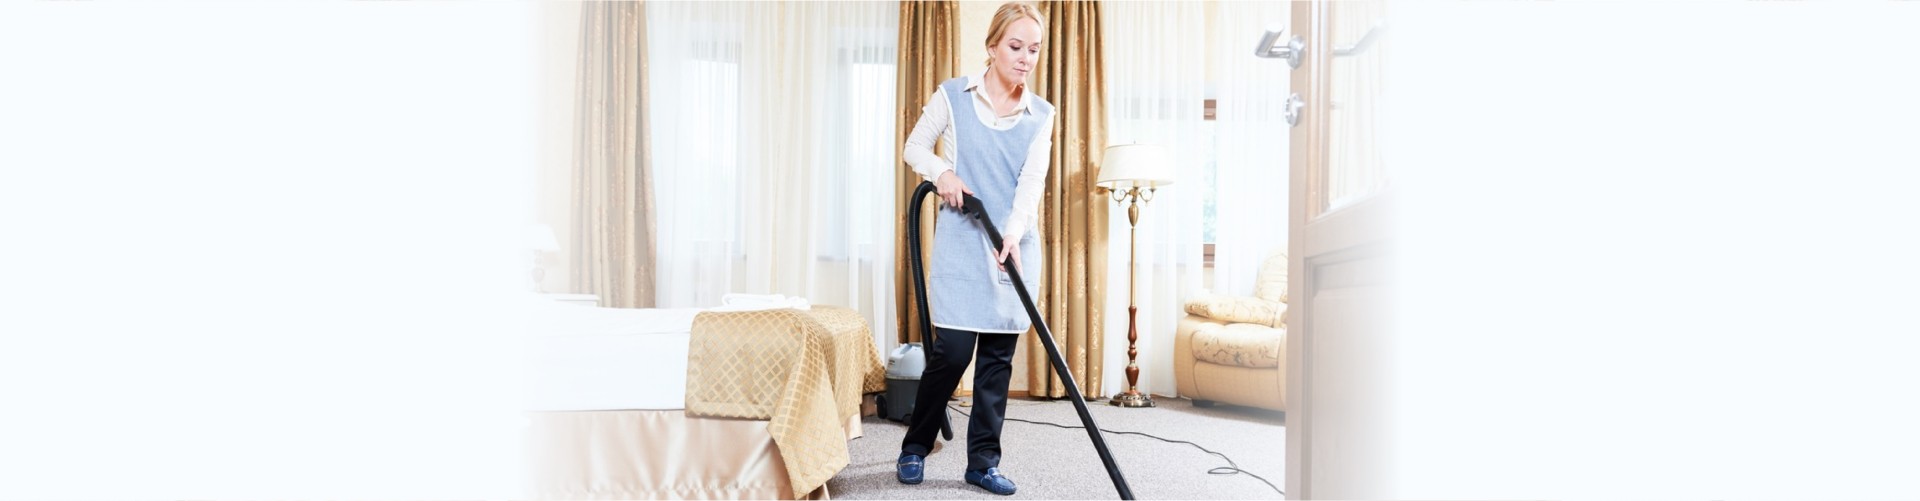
(261, 250)
(1656, 250)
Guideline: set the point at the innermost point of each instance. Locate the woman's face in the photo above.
(1018, 50)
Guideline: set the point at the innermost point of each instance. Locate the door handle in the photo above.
(1294, 107)
(1291, 51)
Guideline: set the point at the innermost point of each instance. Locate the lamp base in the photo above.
(1132, 398)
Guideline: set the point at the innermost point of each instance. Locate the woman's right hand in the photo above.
(949, 186)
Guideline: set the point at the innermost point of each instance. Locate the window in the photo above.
(717, 153)
(771, 152)
(866, 96)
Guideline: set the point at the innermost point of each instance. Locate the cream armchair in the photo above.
(1232, 348)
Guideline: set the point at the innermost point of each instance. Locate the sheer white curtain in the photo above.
(1156, 93)
(772, 151)
(1251, 144)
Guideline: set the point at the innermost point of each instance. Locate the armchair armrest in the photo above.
(1240, 309)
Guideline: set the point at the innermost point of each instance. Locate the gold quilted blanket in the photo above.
(802, 370)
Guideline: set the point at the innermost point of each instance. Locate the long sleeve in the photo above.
(935, 118)
(1032, 184)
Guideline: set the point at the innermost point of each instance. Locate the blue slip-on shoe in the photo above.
(910, 468)
(991, 480)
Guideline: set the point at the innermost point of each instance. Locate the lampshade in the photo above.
(1131, 165)
(540, 238)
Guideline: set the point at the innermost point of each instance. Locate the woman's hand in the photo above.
(1009, 248)
(949, 186)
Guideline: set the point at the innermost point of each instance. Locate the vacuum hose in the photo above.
(973, 208)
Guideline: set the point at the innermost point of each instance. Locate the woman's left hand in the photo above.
(1009, 248)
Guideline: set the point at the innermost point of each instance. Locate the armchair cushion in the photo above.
(1240, 309)
(1239, 345)
(1271, 283)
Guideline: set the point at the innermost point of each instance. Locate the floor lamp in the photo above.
(1131, 173)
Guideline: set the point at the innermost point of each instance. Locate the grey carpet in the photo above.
(1054, 463)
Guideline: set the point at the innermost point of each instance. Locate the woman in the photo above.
(999, 137)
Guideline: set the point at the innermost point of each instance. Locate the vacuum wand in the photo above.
(973, 208)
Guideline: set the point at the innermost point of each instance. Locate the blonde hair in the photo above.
(1008, 13)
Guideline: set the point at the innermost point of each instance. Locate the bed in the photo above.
(719, 403)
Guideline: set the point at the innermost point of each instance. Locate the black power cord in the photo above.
(1231, 468)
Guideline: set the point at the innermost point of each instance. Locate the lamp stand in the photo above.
(1132, 397)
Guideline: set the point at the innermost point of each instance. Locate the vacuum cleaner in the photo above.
(972, 207)
(904, 367)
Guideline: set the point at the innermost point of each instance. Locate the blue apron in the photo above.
(967, 292)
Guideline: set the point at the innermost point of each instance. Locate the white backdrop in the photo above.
(1656, 250)
(262, 250)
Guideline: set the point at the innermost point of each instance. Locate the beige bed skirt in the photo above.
(656, 454)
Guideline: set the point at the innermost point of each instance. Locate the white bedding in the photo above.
(583, 358)
(586, 358)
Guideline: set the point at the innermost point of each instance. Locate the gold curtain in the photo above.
(927, 57)
(1074, 216)
(613, 220)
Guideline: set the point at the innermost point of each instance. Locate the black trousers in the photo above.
(947, 358)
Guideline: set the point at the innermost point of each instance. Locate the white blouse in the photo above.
(936, 124)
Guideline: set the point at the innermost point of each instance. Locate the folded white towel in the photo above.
(738, 299)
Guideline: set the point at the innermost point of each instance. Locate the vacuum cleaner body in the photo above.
(904, 367)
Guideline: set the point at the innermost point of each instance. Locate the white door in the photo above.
(1339, 334)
